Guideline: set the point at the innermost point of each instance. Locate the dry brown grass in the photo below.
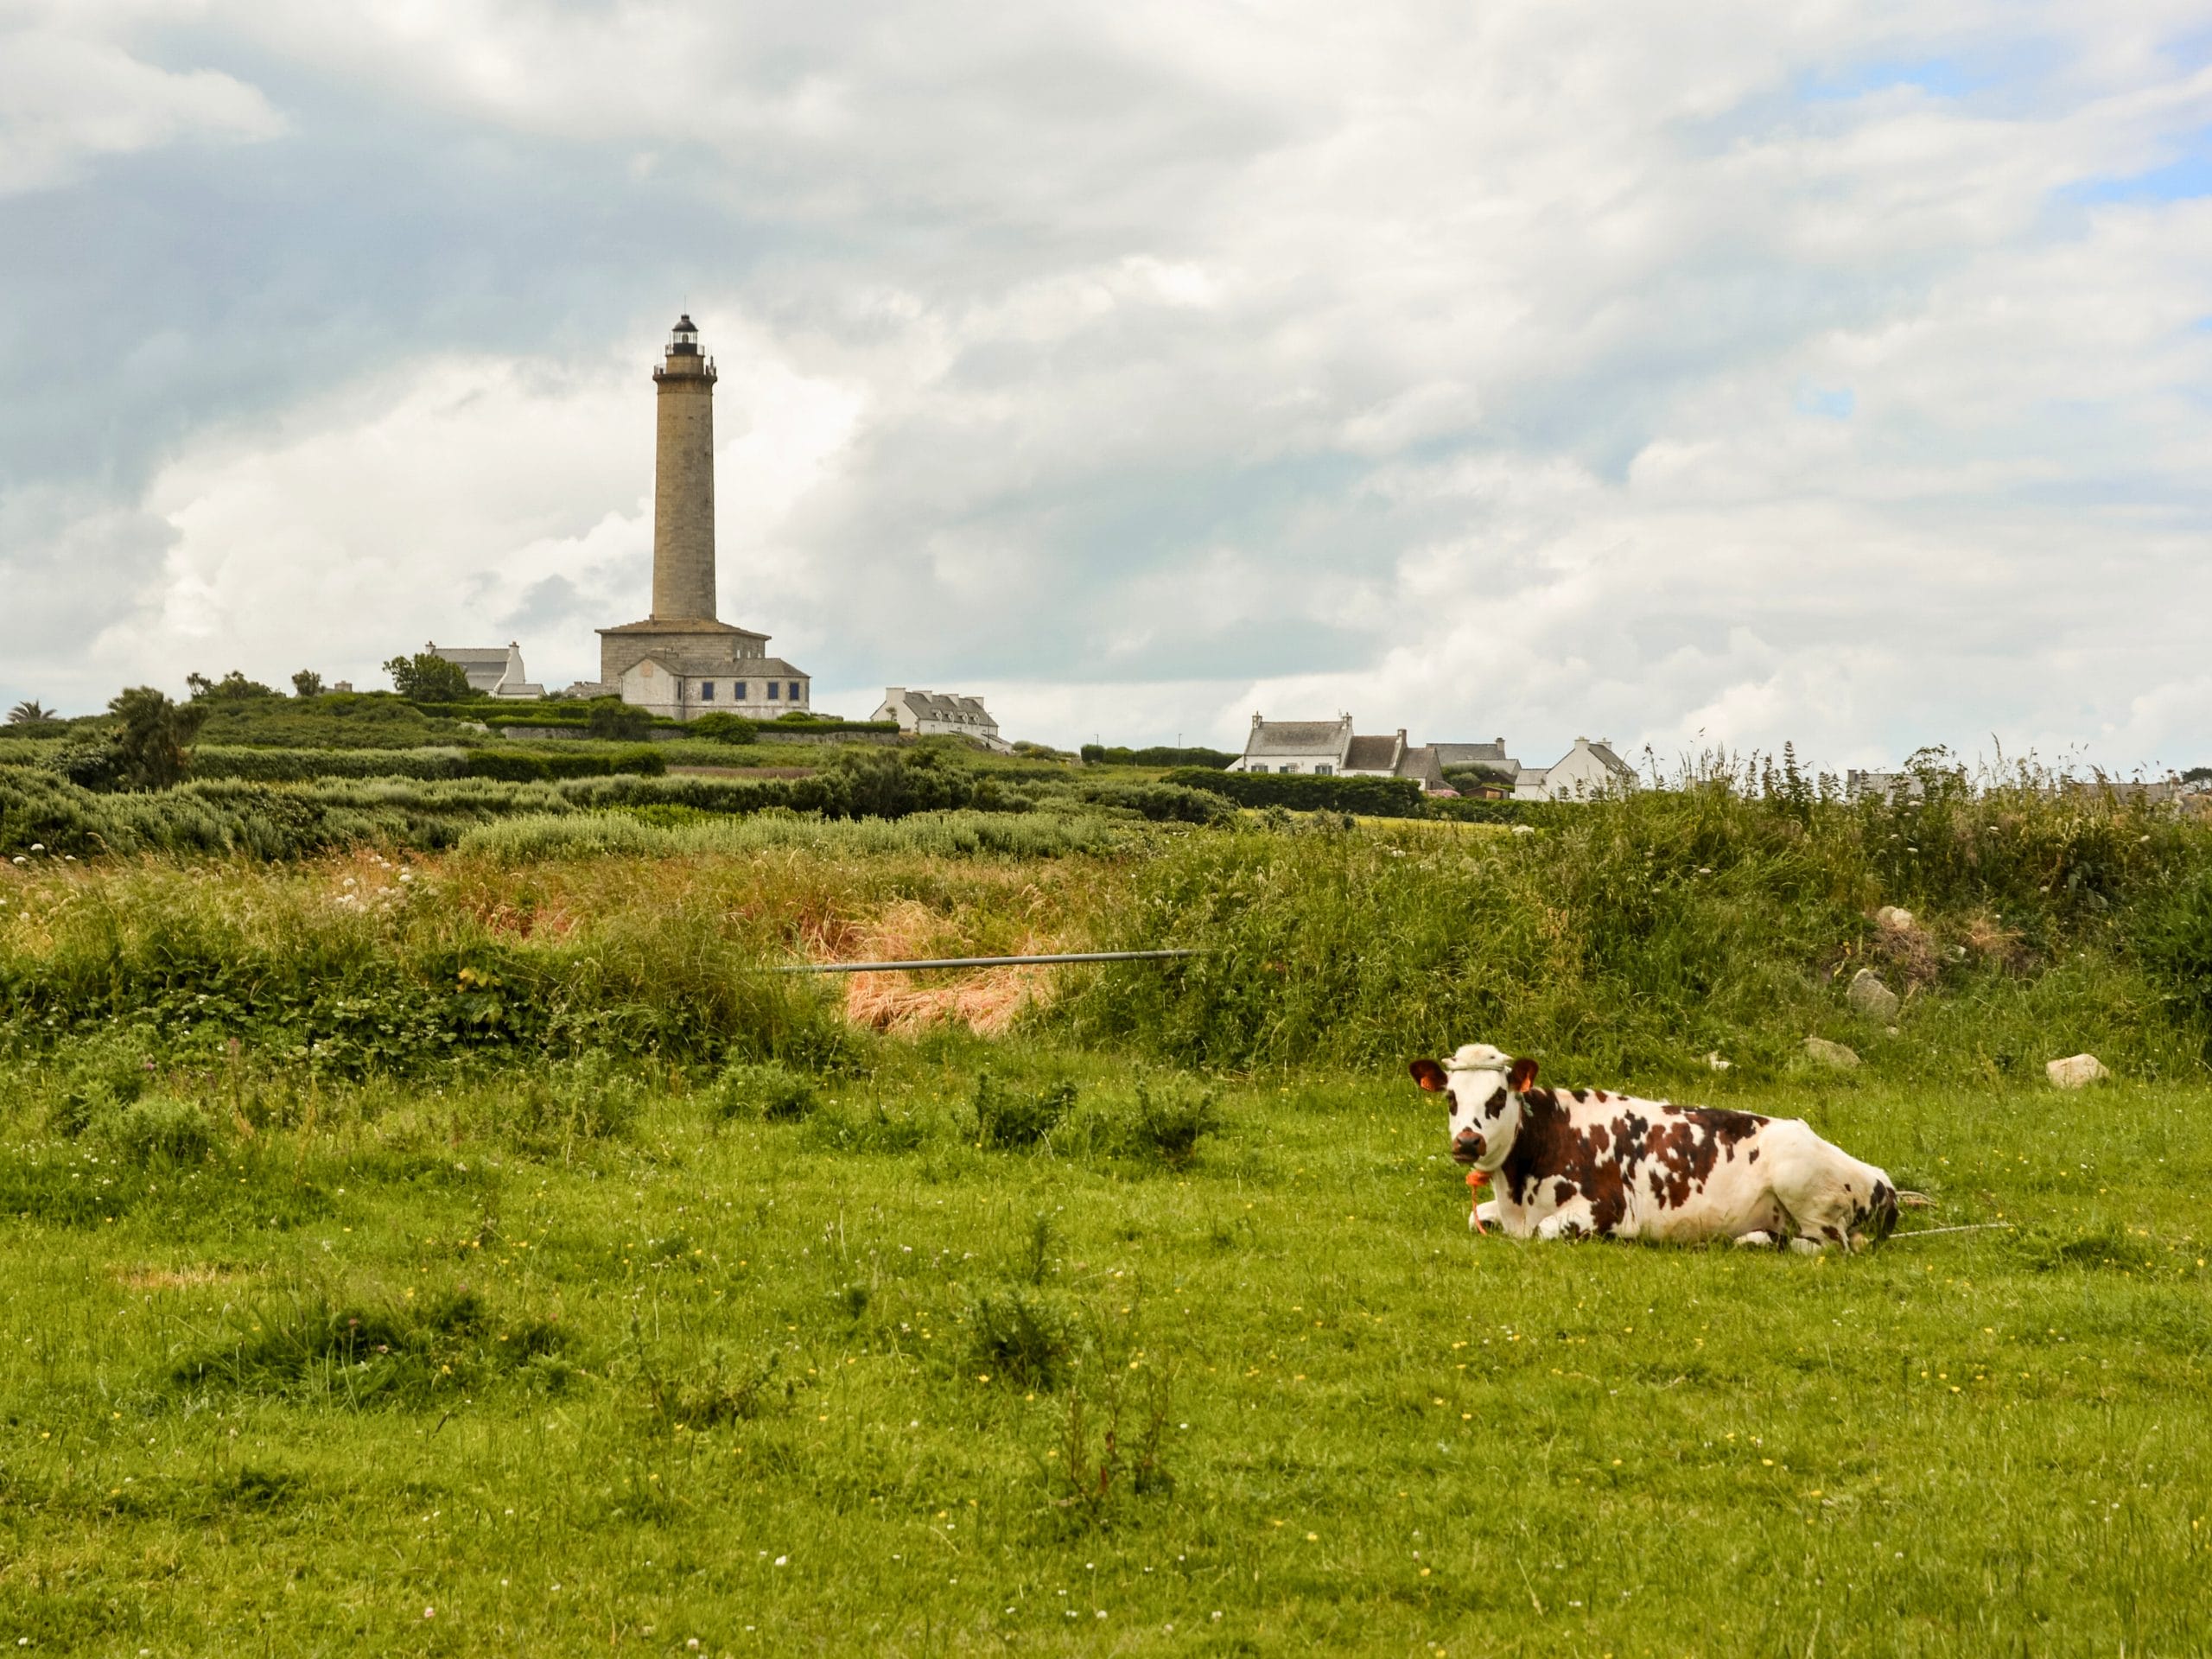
(986, 1001)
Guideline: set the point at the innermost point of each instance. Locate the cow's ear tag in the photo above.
(1429, 1075)
(1523, 1074)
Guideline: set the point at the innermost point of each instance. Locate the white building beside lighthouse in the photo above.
(683, 661)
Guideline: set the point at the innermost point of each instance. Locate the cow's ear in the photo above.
(1523, 1073)
(1429, 1075)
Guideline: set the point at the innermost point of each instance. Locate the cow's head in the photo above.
(1485, 1086)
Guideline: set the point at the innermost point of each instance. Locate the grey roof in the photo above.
(1475, 754)
(1371, 754)
(680, 624)
(1298, 737)
(1421, 763)
(942, 705)
(701, 665)
(1611, 761)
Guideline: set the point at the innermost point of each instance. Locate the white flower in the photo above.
(780, 1560)
(38, 847)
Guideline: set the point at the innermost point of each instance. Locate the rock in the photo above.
(1870, 997)
(1890, 917)
(2076, 1072)
(1828, 1053)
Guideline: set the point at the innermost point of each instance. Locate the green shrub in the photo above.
(870, 1128)
(766, 1090)
(1020, 1338)
(1170, 1119)
(357, 1355)
(1374, 797)
(1010, 1119)
(1212, 759)
(733, 729)
(158, 1130)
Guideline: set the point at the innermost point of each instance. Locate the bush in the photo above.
(1171, 1118)
(1374, 797)
(92, 766)
(767, 1090)
(1022, 1338)
(1212, 759)
(427, 678)
(157, 1130)
(733, 729)
(1012, 1119)
(153, 749)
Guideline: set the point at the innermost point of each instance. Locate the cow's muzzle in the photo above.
(1468, 1147)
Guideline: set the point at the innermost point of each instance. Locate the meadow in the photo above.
(481, 1248)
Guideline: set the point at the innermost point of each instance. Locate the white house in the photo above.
(497, 670)
(941, 714)
(1587, 771)
(1328, 748)
(683, 685)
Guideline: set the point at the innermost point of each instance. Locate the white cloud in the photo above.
(1559, 368)
(67, 96)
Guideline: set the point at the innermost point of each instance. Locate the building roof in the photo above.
(1492, 755)
(1611, 761)
(1421, 764)
(680, 624)
(1299, 736)
(1371, 754)
(941, 705)
(675, 660)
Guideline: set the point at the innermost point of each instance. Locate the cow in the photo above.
(1581, 1161)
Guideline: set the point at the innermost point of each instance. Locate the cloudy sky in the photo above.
(1699, 372)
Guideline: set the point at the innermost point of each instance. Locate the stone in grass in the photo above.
(1870, 997)
(1896, 920)
(2076, 1072)
(1828, 1053)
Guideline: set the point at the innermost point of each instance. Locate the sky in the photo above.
(1705, 374)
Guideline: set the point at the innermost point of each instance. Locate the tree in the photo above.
(307, 683)
(234, 687)
(29, 712)
(153, 750)
(2194, 775)
(428, 677)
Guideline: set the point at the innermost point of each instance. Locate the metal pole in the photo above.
(982, 962)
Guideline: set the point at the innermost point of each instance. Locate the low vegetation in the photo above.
(430, 1221)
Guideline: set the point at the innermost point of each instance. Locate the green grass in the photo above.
(427, 1374)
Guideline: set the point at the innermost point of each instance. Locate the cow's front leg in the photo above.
(1762, 1241)
(1565, 1224)
(1482, 1217)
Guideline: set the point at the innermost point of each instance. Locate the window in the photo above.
(706, 691)
(794, 693)
(772, 689)
(1322, 771)
(737, 690)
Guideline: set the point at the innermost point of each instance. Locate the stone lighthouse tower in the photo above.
(683, 482)
(683, 661)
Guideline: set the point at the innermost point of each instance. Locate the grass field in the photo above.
(439, 1372)
(426, 1226)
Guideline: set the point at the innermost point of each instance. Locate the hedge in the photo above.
(1113, 755)
(1375, 797)
(512, 767)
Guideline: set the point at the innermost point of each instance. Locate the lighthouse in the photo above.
(683, 660)
(683, 482)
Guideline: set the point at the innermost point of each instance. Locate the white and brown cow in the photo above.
(1576, 1161)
